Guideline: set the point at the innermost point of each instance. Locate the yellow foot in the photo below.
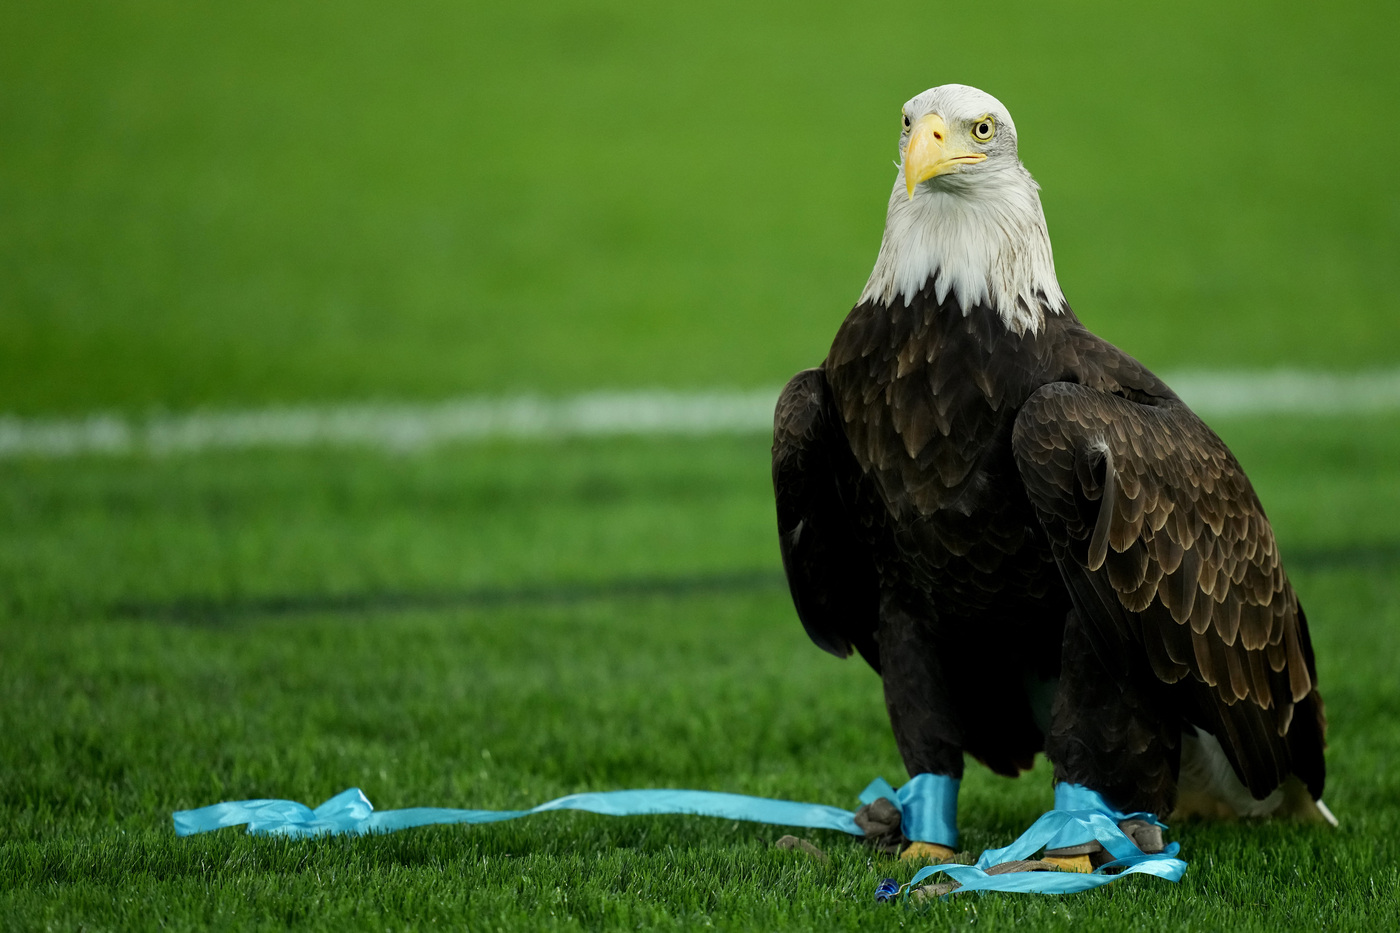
(927, 852)
(1079, 863)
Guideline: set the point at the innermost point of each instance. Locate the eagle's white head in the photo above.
(966, 213)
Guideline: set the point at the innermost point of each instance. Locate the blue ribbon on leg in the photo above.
(1092, 818)
(927, 805)
(1073, 797)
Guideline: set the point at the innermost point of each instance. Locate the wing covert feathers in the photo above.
(1155, 511)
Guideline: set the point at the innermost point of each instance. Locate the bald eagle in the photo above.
(1035, 543)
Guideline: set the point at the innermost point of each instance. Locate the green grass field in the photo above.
(210, 207)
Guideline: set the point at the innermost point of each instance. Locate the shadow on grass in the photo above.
(215, 612)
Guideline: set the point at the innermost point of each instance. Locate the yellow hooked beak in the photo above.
(929, 153)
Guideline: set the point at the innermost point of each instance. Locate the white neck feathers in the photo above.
(983, 239)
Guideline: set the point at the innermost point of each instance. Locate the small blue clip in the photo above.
(887, 890)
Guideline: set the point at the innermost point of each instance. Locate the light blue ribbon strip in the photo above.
(928, 806)
(1078, 797)
(351, 812)
(1053, 826)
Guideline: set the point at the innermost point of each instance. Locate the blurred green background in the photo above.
(210, 203)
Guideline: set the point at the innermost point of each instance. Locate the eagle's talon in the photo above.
(928, 852)
(1084, 864)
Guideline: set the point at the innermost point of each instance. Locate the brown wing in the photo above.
(1148, 510)
(830, 572)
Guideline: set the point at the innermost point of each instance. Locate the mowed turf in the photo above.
(225, 206)
(495, 626)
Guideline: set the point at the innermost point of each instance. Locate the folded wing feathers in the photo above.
(1165, 512)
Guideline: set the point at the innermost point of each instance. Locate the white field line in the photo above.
(394, 427)
(597, 414)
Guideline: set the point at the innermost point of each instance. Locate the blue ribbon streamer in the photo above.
(351, 812)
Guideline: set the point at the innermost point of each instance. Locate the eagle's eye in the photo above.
(984, 129)
(906, 121)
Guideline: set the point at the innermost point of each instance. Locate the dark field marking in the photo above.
(215, 612)
(1346, 557)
